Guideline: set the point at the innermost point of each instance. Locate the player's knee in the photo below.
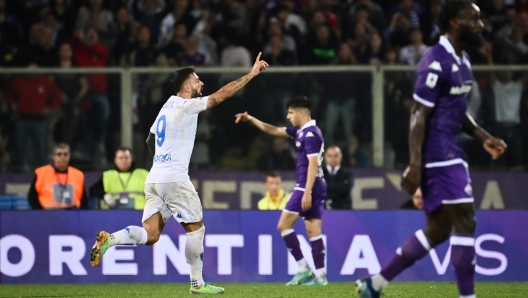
(152, 238)
(466, 224)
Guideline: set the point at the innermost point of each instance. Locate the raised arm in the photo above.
(230, 89)
(412, 175)
(265, 127)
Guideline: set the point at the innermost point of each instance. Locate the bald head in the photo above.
(333, 156)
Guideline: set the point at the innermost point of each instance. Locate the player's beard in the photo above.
(471, 38)
(196, 93)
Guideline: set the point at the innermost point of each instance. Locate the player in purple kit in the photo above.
(309, 194)
(437, 162)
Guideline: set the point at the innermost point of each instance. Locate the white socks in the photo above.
(194, 250)
(129, 236)
(320, 274)
(303, 267)
(379, 282)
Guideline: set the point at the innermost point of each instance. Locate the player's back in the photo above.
(443, 83)
(175, 131)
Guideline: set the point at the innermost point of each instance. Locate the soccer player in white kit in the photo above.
(168, 188)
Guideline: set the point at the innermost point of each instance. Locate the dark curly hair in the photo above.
(449, 12)
(180, 76)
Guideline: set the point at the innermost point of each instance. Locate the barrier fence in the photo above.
(365, 85)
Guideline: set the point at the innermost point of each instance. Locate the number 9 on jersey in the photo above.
(161, 126)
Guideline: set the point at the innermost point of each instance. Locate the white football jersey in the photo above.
(175, 131)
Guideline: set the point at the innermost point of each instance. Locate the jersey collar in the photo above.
(449, 48)
(308, 124)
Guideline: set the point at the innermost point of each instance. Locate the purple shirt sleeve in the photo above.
(429, 82)
(291, 131)
(313, 144)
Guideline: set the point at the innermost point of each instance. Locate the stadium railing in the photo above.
(377, 78)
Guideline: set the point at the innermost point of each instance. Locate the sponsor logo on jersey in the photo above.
(161, 158)
(457, 90)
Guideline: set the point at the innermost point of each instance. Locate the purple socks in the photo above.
(411, 251)
(463, 259)
(292, 243)
(318, 252)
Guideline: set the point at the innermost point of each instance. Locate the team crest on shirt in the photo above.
(309, 134)
(468, 189)
(298, 144)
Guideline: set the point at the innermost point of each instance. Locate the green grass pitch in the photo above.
(398, 289)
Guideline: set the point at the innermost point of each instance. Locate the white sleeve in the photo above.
(195, 105)
(153, 128)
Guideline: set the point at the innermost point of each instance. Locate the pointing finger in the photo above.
(258, 57)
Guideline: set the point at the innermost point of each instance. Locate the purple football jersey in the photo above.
(443, 82)
(309, 142)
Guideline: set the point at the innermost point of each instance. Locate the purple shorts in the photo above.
(445, 185)
(294, 205)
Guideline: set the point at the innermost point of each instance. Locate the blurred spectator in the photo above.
(202, 31)
(429, 23)
(63, 13)
(175, 49)
(370, 53)
(122, 187)
(322, 49)
(276, 54)
(58, 185)
(339, 180)
(10, 31)
(411, 10)
(276, 198)
(100, 19)
(149, 13)
(59, 33)
(397, 34)
(415, 203)
(375, 13)
(497, 14)
(200, 156)
(5, 131)
(279, 159)
(291, 24)
(507, 91)
(398, 90)
(46, 53)
(143, 53)
(287, 41)
(124, 36)
(341, 101)
(179, 14)
(412, 53)
(192, 55)
(511, 46)
(148, 87)
(31, 97)
(88, 52)
(74, 88)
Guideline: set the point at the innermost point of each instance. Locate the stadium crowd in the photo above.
(84, 111)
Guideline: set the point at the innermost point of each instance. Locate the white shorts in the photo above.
(178, 199)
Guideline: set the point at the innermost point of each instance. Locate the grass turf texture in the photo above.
(398, 289)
